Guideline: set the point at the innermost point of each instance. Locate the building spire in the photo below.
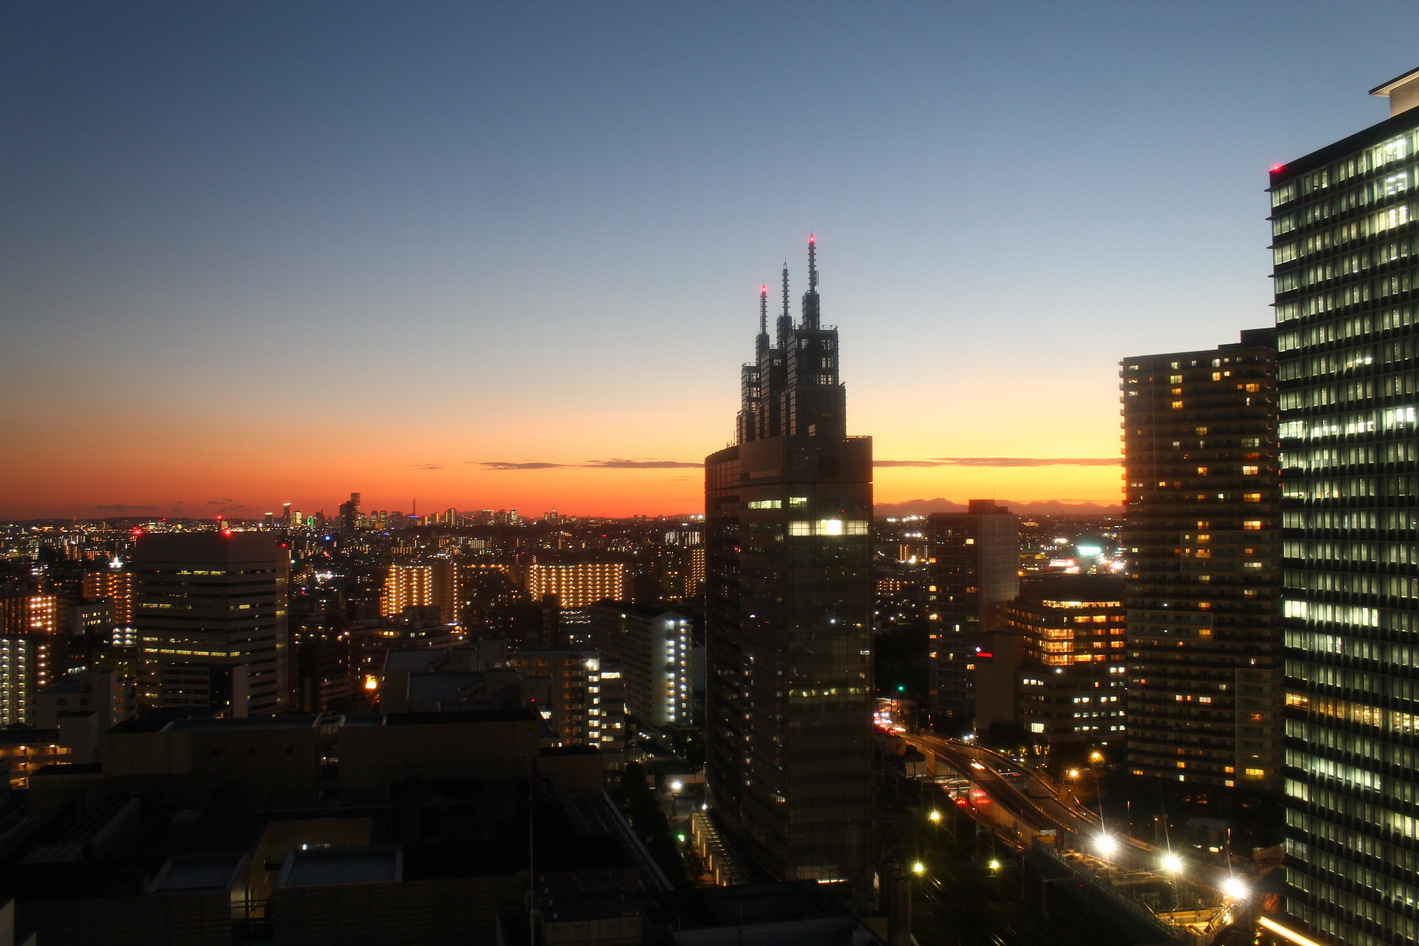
(785, 289)
(810, 298)
(764, 309)
(785, 321)
(812, 263)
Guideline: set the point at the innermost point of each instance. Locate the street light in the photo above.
(1235, 888)
(1172, 864)
(1107, 845)
(918, 868)
(934, 817)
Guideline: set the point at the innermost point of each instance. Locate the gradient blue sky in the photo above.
(257, 253)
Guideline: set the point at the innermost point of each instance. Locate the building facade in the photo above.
(1201, 542)
(575, 582)
(653, 647)
(788, 515)
(421, 585)
(973, 559)
(29, 638)
(210, 611)
(1073, 677)
(577, 693)
(115, 584)
(1345, 250)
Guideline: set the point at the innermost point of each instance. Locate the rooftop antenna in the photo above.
(810, 298)
(812, 263)
(785, 321)
(785, 289)
(761, 348)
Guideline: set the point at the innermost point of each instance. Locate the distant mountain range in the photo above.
(1049, 507)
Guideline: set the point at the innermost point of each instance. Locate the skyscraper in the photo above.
(788, 515)
(1346, 256)
(974, 561)
(210, 609)
(1201, 525)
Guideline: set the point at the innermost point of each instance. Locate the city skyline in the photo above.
(499, 256)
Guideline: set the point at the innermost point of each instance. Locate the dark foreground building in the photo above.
(210, 608)
(788, 512)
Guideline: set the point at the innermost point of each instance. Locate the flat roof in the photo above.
(1385, 88)
(25, 737)
(467, 716)
(1374, 134)
(336, 866)
(197, 872)
(243, 723)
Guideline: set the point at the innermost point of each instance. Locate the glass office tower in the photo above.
(1343, 222)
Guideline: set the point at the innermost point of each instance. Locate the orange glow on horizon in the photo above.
(572, 490)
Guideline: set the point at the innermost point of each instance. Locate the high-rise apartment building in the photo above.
(788, 516)
(973, 559)
(1201, 532)
(114, 583)
(210, 609)
(1346, 256)
(421, 585)
(29, 630)
(653, 647)
(575, 583)
(577, 693)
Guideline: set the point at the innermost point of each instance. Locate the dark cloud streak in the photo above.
(612, 464)
(501, 465)
(1003, 461)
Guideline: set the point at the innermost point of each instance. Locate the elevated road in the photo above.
(1190, 901)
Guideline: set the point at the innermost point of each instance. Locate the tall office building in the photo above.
(973, 559)
(350, 518)
(210, 610)
(788, 515)
(1346, 253)
(1201, 531)
(1072, 682)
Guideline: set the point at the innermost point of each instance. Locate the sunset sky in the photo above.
(507, 255)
